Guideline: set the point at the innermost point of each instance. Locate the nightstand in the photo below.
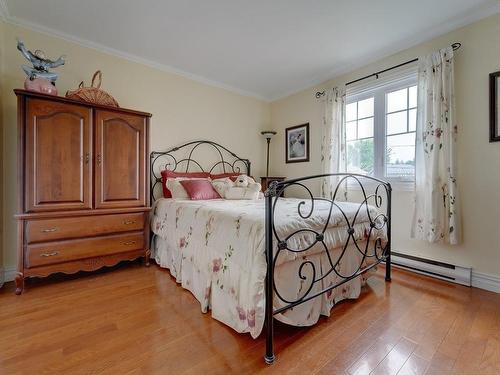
(266, 181)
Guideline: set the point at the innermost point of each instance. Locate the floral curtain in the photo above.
(333, 149)
(437, 213)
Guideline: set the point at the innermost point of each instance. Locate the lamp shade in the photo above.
(268, 134)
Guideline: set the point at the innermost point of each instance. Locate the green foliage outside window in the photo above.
(360, 154)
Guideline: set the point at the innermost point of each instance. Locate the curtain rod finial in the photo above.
(319, 94)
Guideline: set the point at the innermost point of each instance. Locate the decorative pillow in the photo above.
(166, 174)
(175, 188)
(199, 189)
(230, 175)
(221, 185)
(237, 192)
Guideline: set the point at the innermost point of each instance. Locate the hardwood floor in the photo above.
(137, 320)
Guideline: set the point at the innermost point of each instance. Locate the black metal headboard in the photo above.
(181, 159)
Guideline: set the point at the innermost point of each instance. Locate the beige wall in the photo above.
(2, 52)
(182, 109)
(479, 172)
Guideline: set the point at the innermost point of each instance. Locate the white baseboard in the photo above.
(9, 274)
(478, 279)
(486, 281)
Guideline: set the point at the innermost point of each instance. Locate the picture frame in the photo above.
(297, 144)
(495, 107)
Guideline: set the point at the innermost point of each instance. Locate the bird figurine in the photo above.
(39, 78)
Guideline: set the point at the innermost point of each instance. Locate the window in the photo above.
(380, 125)
(360, 136)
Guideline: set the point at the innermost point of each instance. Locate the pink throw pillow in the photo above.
(200, 189)
(166, 174)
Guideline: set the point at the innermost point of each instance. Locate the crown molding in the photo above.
(489, 9)
(4, 11)
(126, 56)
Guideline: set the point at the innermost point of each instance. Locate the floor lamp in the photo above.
(267, 134)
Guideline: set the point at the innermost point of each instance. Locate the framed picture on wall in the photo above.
(297, 143)
(495, 107)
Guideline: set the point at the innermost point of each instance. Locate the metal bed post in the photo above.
(388, 246)
(269, 357)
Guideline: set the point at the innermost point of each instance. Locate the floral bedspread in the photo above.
(215, 249)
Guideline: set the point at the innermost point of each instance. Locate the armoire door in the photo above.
(58, 169)
(120, 179)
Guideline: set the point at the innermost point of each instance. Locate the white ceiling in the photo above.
(263, 48)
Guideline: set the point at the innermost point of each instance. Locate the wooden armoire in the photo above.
(83, 177)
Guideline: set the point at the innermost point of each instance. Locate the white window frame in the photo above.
(378, 92)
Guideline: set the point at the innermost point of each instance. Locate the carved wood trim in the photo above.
(89, 264)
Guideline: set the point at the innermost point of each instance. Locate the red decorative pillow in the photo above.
(165, 174)
(200, 189)
(231, 175)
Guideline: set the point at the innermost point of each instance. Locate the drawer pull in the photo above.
(129, 222)
(49, 230)
(45, 255)
(129, 243)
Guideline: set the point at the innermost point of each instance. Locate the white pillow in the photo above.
(176, 188)
(222, 185)
(237, 192)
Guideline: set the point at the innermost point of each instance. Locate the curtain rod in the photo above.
(319, 94)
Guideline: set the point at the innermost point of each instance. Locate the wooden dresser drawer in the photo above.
(42, 230)
(64, 251)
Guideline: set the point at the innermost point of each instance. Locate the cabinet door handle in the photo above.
(87, 158)
(128, 222)
(99, 159)
(49, 254)
(49, 230)
(128, 243)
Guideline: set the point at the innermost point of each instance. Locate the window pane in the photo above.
(351, 111)
(365, 108)
(360, 156)
(401, 156)
(412, 120)
(350, 130)
(365, 128)
(396, 100)
(396, 123)
(412, 93)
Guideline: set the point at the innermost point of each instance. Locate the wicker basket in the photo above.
(92, 94)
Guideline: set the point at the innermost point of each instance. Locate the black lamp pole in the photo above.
(267, 163)
(268, 135)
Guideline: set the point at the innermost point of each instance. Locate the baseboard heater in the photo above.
(433, 268)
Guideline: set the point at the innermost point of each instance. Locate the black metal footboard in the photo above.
(372, 198)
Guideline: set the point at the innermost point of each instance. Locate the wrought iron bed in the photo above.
(370, 191)
(181, 158)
